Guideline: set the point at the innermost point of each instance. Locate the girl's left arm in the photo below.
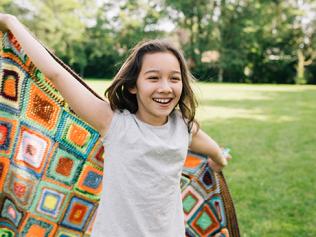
(204, 144)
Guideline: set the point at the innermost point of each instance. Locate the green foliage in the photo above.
(112, 35)
(195, 18)
(59, 25)
(251, 41)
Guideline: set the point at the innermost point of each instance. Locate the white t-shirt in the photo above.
(141, 194)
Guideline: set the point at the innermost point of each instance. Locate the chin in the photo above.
(164, 114)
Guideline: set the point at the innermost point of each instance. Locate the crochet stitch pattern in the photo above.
(51, 163)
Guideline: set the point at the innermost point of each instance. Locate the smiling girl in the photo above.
(147, 126)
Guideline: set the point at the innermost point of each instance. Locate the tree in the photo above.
(224, 40)
(101, 49)
(306, 52)
(273, 60)
(59, 24)
(236, 38)
(118, 27)
(196, 20)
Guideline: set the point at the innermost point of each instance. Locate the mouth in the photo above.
(163, 101)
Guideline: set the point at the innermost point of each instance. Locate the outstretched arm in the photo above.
(203, 144)
(93, 110)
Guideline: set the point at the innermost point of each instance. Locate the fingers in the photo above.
(4, 18)
(3, 26)
(214, 166)
(226, 153)
(229, 157)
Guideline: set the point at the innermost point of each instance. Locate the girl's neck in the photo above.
(151, 120)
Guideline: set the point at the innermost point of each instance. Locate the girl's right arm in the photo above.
(87, 106)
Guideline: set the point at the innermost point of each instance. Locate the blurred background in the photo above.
(249, 41)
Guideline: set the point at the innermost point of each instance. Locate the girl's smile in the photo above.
(158, 87)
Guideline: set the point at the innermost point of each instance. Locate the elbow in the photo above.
(54, 75)
(51, 69)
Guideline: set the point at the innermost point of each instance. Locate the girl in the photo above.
(147, 127)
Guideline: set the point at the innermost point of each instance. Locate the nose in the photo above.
(164, 86)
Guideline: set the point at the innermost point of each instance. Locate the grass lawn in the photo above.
(271, 130)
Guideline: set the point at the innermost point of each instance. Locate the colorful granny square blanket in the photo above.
(51, 163)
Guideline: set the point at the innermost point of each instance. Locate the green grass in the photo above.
(271, 130)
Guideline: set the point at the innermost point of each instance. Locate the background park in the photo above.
(255, 65)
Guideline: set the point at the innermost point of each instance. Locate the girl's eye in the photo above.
(153, 78)
(176, 78)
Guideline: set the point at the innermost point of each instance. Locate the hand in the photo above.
(4, 19)
(216, 167)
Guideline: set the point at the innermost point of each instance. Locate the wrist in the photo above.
(220, 159)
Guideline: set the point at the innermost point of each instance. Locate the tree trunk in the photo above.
(300, 68)
(220, 75)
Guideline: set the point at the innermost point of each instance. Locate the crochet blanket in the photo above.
(51, 163)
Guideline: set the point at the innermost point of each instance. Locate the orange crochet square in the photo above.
(192, 162)
(7, 135)
(97, 155)
(78, 135)
(100, 153)
(10, 87)
(78, 212)
(64, 166)
(35, 226)
(42, 109)
(210, 227)
(4, 168)
(12, 80)
(90, 180)
(3, 134)
(36, 230)
(32, 149)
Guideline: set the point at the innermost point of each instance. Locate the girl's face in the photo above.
(158, 87)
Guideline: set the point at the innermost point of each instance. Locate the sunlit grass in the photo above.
(271, 130)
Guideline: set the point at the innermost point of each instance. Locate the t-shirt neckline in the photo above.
(150, 125)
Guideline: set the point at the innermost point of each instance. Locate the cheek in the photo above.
(179, 89)
(145, 89)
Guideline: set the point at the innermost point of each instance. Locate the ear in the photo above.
(133, 90)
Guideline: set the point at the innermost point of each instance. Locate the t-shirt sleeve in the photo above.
(116, 121)
(185, 122)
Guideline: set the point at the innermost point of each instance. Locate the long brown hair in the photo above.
(118, 93)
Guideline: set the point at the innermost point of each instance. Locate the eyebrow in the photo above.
(154, 70)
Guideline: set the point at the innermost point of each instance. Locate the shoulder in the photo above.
(119, 121)
(120, 116)
(191, 128)
(177, 117)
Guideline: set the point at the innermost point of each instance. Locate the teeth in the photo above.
(162, 101)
